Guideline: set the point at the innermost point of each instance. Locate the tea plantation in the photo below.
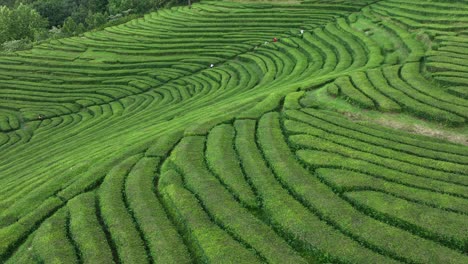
(125, 146)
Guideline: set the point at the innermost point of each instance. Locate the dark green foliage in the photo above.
(18, 23)
(95, 20)
(69, 26)
(117, 6)
(56, 11)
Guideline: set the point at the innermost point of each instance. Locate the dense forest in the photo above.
(23, 22)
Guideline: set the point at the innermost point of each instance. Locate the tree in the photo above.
(9, 3)
(5, 24)
(169, 3)
(21, 23)
(80, 14)
(94, 6)
(139, 6)
(80, 28)
(56, 11)
(14, 45)
(117, 6)
(69, 26)
(95, 20)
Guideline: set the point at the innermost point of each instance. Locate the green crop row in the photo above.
(434, 99)
(341, 126)
(447, 227)
(347, 88)
(221, 158)
(344, 180)
(118, 220)
(391, 134)
(459, 91)
(342, 138)
(372, 49)
(23, 254)
(311, 157)
(452, 80)
(327, 55)
(86, 230)
(423, 22)
(362, 83)
(426, 13)
(210, 243)
(311, 191)
(433, 6)
(224, 209)
(22, 206)
(51, 241)
(160, 237)
(314, 56)
(354, 47)
(437, 64)
(391, 88)
(344, 58)
(301, 226)
(409, 73)
(11, 235)
(270, 103)
(415, 47)
(324, 143)
(332, 160)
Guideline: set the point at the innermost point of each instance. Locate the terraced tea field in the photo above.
(125, 146)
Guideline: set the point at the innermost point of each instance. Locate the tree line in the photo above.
(23, 22)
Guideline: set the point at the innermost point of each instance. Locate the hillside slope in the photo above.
(125, 146)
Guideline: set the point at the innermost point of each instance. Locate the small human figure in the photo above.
(266, 43)
(212, 65)
(275, 40)
(302, 32)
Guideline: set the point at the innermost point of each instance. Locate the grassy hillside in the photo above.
(125, 146)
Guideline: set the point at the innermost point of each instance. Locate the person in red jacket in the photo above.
(275, 40)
